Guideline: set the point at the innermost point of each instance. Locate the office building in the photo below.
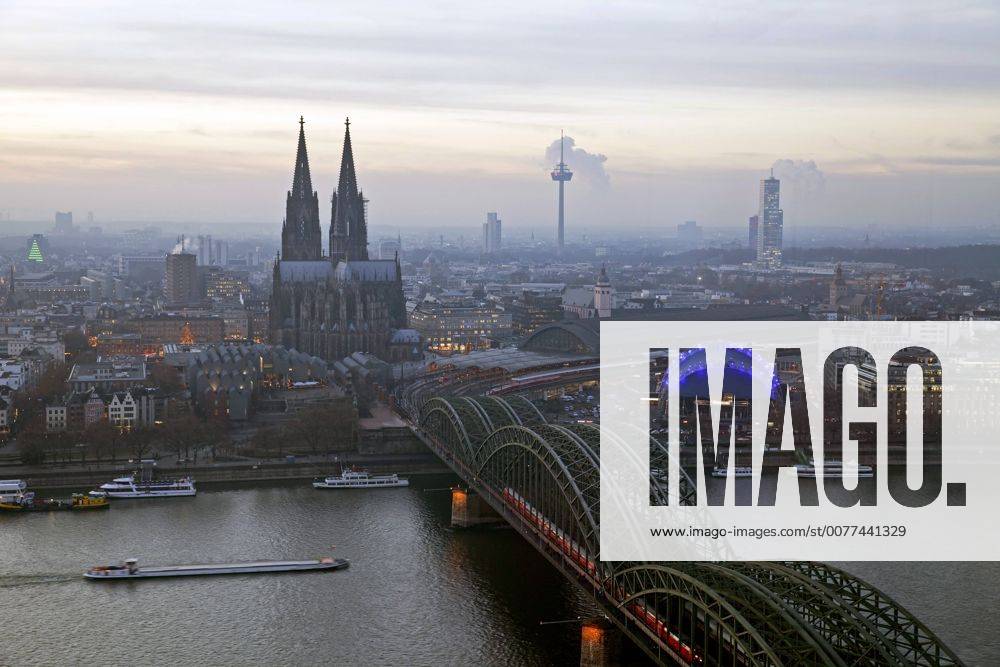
(689, 235)
(181, 281)
(491, 234)
(770, 223)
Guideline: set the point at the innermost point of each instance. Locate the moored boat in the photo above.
(834, 469)
(130, 569)
(354, 478)
(143, 485)
(130, 487)
(77, 502)
(12, 490)
(738, 471)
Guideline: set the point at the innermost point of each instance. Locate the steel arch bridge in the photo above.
(543, 478)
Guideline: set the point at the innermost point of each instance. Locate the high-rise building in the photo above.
(752, 226)
(64, 223)
(491, 233)
(204, 249)
(226, 286)
(689, 235)
(181, 281)
(770, 223)
(221, 257)
(561, 174)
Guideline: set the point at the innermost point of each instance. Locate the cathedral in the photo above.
(330, 306)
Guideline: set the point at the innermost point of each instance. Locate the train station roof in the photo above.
(508, 358)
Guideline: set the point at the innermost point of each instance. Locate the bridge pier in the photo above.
(600, 644)
(468, 509)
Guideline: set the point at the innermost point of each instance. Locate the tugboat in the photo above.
(354, 478)
(145, 486)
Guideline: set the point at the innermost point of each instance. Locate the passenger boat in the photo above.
(12, 490)
(354, 478)
(130, 569)
(129, 487)
(77, 502)
(142, 485)
(834, 469)
(738, 471)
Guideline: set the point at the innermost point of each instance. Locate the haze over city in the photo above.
(601, 333)
(871, 115)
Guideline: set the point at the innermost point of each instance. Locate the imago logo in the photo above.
(716, 427)
(801, 440)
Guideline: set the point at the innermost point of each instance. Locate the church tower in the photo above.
(838, 288)
(348, 227)
(602, 295)
(301, 238)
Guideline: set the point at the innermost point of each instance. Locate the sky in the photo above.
(881, 113)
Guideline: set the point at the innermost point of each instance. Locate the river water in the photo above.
(417, 593)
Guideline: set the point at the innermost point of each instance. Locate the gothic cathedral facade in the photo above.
(330, 306)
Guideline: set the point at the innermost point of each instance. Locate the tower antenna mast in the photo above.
(561, 174)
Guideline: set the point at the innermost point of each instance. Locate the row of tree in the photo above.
(323, 429)
(105, 442)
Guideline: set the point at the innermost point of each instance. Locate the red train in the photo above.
(551, 532)
(637, 608)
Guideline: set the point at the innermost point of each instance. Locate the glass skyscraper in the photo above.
(770, 220)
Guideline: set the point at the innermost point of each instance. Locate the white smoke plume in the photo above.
(185, 243)
(801, 175)
(584, 165)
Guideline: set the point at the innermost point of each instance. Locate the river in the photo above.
(417, 593)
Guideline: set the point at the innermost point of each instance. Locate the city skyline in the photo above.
(876, 116)
(402, 292)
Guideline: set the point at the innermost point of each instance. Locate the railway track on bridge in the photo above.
(543, 479)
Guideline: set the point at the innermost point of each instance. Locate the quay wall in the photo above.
(41, 477)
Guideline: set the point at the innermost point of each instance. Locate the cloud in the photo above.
(584, 165)
(803, 175)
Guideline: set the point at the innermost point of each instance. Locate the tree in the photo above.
(180, 434)
(268, 441)
(75, 342)
(52, 383)
(166, 378)
(185, 435)
(31, 443)
(326, 428)
(105, 438)
(32, 452)
(139, 441)
(61, 445)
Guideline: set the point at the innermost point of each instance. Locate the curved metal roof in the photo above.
(586, 331)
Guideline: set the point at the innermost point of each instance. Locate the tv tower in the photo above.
(561, 174)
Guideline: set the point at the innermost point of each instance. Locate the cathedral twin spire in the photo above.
(348, 227)
(301, 238)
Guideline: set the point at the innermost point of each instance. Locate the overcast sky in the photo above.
(874, 112)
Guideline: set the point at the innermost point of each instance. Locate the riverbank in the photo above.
(62, 477)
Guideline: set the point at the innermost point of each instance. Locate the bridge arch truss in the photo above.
(544, 479)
